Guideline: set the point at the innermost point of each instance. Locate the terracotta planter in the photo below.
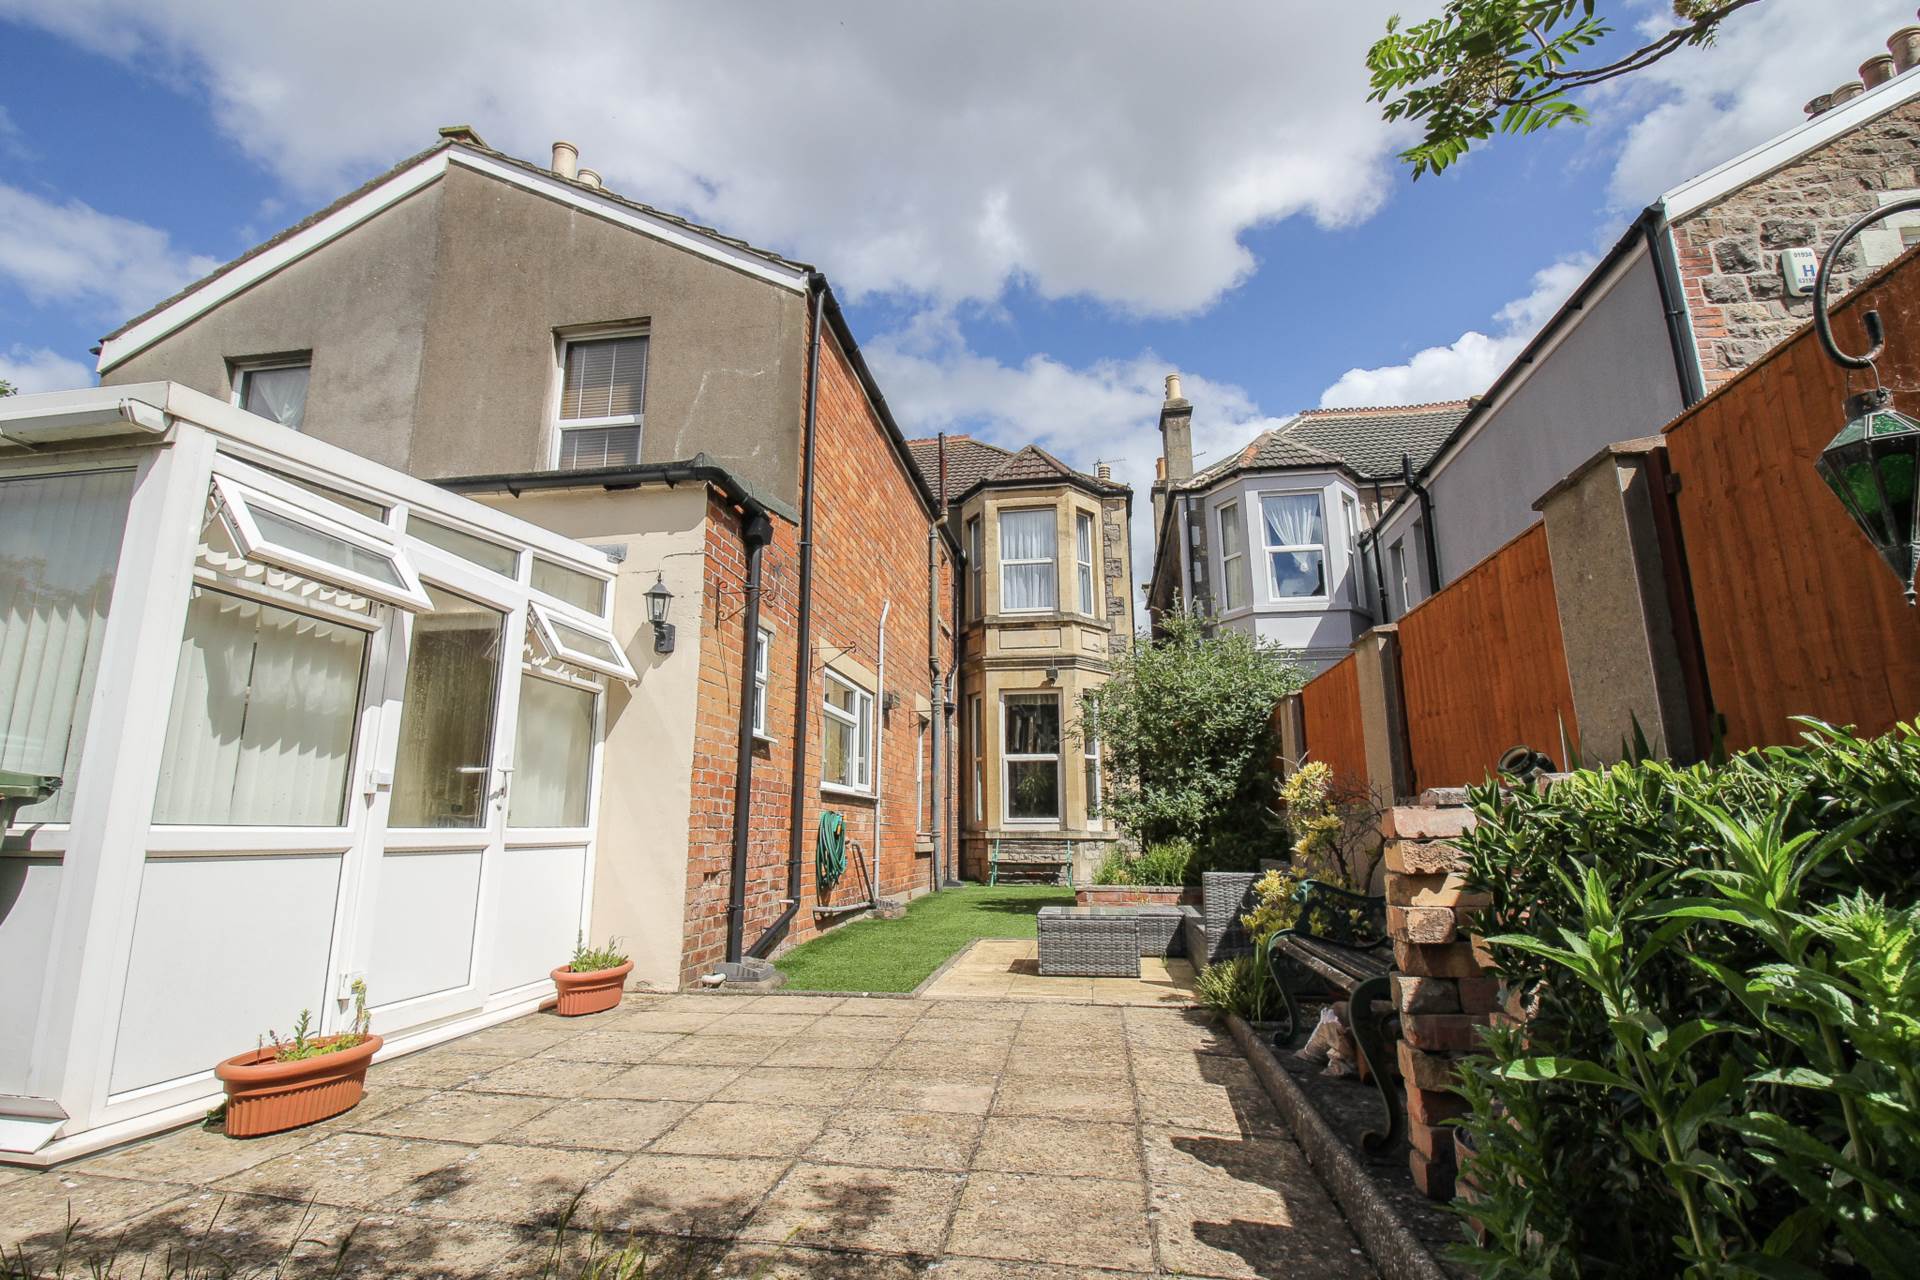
(596, 992)
(264, 1096)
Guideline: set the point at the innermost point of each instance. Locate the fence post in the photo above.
(1290, 720)
(1613, 586)
(1383, 714)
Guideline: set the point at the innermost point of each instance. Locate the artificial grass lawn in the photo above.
(897, 955)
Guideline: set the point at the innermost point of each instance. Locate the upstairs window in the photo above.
(603, 392)
(276, 392)
(976, 569)
(1083, 560)
(1028, 577)
(1233, 556)
(1296, 540)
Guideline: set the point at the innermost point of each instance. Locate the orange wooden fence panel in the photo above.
(1483, 668)
(1798, 615)
(1330, 708)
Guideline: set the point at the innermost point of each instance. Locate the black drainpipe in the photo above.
(1373, 546)
(1672, 301)
(803, 688)
(757, 533)
(1426, 515)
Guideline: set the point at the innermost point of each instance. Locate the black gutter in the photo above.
(698, 469)
(1673, 302)
(803, 682)
(756, 534)
(1426, 515)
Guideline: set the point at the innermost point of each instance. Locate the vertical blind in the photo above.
(264, 706)
(59, 550)
(1027, 550)
(553, 750)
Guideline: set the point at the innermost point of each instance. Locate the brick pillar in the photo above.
(1444, 987)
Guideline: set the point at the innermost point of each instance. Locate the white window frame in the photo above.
(762, 649)
(1009, 759)
(1090, 754)
(545, 617)
(978, 745)
(1269, 549)
(1007, 561)
(1231, 566)
(976, 567)
(244, 369)
(920, 774)
(1087, 580)
(859, 756)
(563, 425)
(237, 503)
(1397, 561)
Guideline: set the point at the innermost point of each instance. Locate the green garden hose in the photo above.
(830, 851)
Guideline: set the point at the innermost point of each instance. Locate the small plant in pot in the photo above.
(593, 980)
(283, 1084)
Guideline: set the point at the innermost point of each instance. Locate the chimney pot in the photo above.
(1103, 472)
(1173, 386)
(1877, 70)
(1159, 468)
(1848, 92)
(591, 177)
(1904, 46)
(1819, 106)
(566, 159)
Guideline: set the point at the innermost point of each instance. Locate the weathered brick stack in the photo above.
(1444, 988)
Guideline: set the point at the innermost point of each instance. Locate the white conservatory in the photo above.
(312, 720)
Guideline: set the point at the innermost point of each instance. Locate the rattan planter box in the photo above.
(1089, 942)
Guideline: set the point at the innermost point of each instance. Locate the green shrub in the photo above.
(1239, 985)
(592, 959)
(1169, 862)
(1720, 1070)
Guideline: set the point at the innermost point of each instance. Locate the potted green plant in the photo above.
(593, 980)
(283, 1084)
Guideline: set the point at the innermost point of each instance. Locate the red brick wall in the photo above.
(870, 548)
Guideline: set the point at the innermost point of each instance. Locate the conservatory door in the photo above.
(430, 901)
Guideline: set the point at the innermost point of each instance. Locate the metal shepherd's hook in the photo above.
(1876, 331)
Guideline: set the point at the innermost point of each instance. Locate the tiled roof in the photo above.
(1268, 449)
(1371, 440)
(971, 463)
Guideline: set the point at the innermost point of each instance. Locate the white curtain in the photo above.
(1293, 519)
(59, 550)
(1027, 535)
(264, 707)
(279, 394)
(552, 755)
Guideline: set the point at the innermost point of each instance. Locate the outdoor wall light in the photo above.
(1871, 465)
(658, 598)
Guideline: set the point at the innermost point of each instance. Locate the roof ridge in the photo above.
(1427, 405)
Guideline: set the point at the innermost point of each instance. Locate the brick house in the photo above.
(696, 407)
(1697, 288)
(1047, 602)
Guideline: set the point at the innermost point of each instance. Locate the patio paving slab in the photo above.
(851, 1137)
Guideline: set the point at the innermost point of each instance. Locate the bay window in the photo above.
(1090, 753)
(1028, 550)
(1083, 559)
(1296, 545)
(1233, 556)
(978, 746)
(1031, 759)
(59, 550)
(847, 728)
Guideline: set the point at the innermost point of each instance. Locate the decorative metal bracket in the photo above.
(1822, 323)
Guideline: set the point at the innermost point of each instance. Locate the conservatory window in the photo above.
(265, 702)
(570, 586)
(553, 754)
(443, 774)
(59, 551)
(1027, 550)
(267, 529)
(848, 732)
(1296, 544)
(580, 644)
(1032, 757)
(490, 556)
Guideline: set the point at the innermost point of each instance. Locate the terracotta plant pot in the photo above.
(264, 1096)
(596, 992)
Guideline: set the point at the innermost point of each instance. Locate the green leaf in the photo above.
(1572, 1070)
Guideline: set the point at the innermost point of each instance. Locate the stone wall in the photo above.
(1729, 253)
(1443, 985)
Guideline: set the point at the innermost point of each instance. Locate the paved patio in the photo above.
(1009, 968)
(777, 1136)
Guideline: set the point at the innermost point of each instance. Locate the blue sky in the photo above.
(1033, 212)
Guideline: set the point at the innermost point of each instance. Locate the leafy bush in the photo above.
(591, 959)
(1187, 739)
(1719, 1074)
(1169, 862)
(1239, 985)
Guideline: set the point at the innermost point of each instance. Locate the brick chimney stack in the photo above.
(1176, 431)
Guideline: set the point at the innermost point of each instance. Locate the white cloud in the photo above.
(32, 369)
(1108, 411)
(73, 253)
(1701, 107)
(1468, 364)
(1111, 150)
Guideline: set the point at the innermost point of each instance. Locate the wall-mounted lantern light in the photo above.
(1872, 465)
(658, 598)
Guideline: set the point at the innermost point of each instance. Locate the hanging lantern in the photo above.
(1872, 465)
